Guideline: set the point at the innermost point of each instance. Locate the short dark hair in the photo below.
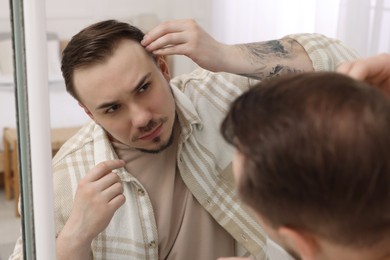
(317, 155)
(93, 45)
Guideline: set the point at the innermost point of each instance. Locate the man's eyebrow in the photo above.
(140, 83)
(106, 105)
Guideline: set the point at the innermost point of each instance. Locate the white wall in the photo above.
(66, 18)
(272, 19)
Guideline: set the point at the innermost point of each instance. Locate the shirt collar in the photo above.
(104, 151)
(187, 115)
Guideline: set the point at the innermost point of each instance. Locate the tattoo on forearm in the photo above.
(281, 70)
(276, 71)
(263, 50)
(270, 58)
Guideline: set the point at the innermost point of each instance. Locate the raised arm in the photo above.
(258, 60)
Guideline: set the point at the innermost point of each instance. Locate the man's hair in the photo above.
(94, 45)
(316, 152)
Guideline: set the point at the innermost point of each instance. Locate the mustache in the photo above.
(150, 126)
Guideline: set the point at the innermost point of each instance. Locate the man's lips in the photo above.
(153, 134)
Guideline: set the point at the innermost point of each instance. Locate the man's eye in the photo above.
(144, 88)
(112, 109)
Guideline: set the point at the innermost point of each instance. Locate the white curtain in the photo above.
(365, 24)
(362, 24)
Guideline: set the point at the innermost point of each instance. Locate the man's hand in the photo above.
(258, 60)
(185, 37)
(98, 195)
(374, 70)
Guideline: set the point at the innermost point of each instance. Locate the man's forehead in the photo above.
(125, 67)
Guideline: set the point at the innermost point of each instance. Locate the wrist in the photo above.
(234, 59)
(72, 246)
(73, 238)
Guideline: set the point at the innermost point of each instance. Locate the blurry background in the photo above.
(362, 24)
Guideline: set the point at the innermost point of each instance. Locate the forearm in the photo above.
(259, 60)
(73, 247)
(291, 54)
(267, 59)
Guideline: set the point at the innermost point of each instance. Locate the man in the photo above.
(171, 194)
(312, 160)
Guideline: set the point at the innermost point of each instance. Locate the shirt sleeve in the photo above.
(326, 53)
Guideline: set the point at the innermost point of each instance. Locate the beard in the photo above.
(156, 140)
(161, 148)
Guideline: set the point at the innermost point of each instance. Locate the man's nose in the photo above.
(139, 116)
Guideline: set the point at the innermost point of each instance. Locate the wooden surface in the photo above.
(10, 158)
(1, 161)
(1, 169)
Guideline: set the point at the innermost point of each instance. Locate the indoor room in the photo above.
(363, 26)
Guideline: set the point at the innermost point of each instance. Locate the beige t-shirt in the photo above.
(185, 229)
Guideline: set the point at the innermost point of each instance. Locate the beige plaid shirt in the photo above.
(203, 159)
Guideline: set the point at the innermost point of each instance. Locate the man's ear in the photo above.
(301, 242)
(86, 110)
(162, 63)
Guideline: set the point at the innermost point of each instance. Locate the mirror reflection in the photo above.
(363, 27)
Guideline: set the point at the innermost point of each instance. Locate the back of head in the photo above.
(94, 45)
(317, 155)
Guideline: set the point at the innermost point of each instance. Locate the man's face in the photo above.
(129, 96)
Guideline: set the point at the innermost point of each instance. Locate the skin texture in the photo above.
(129, 102)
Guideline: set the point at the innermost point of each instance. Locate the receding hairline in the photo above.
(111, 52)
(117, 44)
(94, 44)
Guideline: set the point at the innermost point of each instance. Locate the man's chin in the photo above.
(159, 149)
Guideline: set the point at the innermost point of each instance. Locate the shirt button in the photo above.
(152, 243)
(141, 192)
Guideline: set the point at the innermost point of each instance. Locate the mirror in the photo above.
(227, 20)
